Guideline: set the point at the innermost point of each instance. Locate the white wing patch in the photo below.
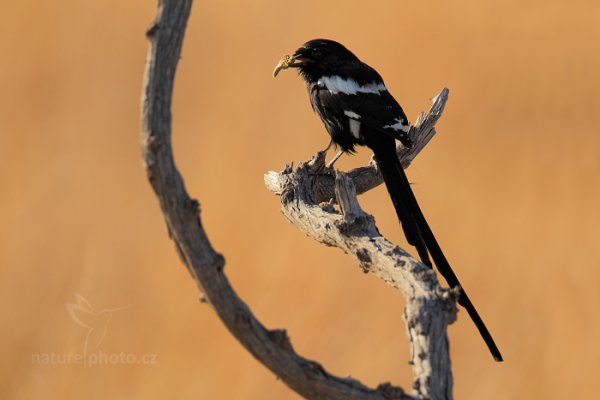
(354, 128)
(354, 122)
(351, 114)
(398, 125)
(336, 84)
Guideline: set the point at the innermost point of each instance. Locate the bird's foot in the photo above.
(316, 165)
(333, 160)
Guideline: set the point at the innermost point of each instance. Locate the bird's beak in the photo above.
(286, 62)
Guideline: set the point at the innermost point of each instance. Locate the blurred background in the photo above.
(510, 185)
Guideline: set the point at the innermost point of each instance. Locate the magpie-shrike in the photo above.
(357, 109)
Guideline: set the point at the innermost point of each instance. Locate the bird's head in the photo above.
(316, 58)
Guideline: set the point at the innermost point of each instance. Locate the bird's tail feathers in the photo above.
(419, 234)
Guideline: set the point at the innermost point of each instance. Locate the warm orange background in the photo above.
(510, 186)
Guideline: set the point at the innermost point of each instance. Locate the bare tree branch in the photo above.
(429, 308)
(182, 216)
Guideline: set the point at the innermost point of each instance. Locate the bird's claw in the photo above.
(317, 163)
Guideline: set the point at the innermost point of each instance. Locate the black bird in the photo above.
(357, 109)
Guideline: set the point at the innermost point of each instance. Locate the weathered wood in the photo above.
(182, 216)
(429, 308)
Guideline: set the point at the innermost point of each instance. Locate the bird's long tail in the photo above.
(419, 234)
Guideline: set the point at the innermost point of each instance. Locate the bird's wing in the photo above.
(370, 104)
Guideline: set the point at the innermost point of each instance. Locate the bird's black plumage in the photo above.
(357, 109)
(347, 94)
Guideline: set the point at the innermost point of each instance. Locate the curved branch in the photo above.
(182, 216)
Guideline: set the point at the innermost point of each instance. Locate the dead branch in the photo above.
(429, 308)
(182, 216)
